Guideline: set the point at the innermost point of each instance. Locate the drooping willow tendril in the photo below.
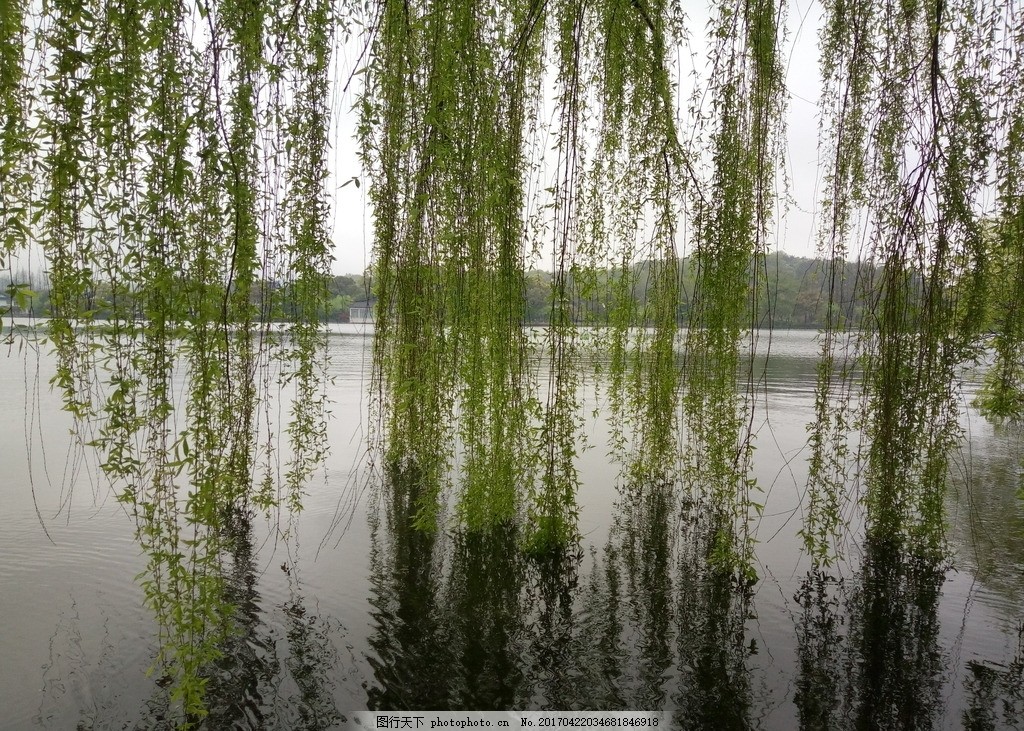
(910, 148)
(139, 152)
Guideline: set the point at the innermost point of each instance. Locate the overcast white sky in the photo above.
(352, 224)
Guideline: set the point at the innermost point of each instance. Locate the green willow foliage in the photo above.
(171, 159)
(732, 220)
(15, 144)
(442, 125)
(922, 102)
(466, 196)
(172, 155)
(501, 136)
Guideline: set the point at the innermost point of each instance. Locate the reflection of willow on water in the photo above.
(470, 623)
(312, 660)
(666, 628)
(645, 547)
(886, 672)
(714, 690)
(246, 682)
(483, 599)
(411, 665)
(996, 694)
(243, 676)
(819, 651)
(894, 630)
(555, 676)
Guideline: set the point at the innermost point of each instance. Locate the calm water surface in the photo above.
(355, 612)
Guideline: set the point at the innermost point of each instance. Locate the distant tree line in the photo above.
(786, 292)
(25, 294)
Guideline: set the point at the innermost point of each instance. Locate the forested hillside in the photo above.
(791, 292)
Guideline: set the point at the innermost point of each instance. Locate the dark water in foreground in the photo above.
(352, 610)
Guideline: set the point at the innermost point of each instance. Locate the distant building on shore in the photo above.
(361, 311)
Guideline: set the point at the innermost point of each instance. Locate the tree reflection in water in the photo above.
(484, 601)
(472, 622)
(672, 628)
(716, 689)
(412, 662)
(312, 661)
(819, 651)
(245, 674)
(492, 630)
(259, 681)
(887, 671)
(996, 694)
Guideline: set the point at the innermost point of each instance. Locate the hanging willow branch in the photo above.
(911, 145)
(732, 233)
(136, 152)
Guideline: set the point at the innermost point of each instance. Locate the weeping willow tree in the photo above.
(922, 105)
(445, 148)
(732, 223)
(171, 161)
(475, 179)
(466, 196)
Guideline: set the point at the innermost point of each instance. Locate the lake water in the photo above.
(353, 612)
